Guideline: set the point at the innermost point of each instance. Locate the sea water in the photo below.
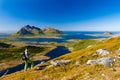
(68, 35)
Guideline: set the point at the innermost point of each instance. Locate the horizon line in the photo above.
(10, 32)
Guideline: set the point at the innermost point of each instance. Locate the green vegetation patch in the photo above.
(80, 44)
(84, 44)
(4, 45)
(15, 53)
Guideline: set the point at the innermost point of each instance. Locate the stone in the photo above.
(38, 68)
(107, 61)
(53, 63)
(60, 62)
(102, 52)
(90, 62)
(42, 62)
(102, 74)
(77, 63)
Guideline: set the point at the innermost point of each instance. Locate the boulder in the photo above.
(102, 52)
(107, 61)
(60, 62)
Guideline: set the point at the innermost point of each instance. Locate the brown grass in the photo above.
(73, 72)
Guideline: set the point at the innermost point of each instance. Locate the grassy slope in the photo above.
(73, 72)
(78, 45)
(15, 53)
(10, 53)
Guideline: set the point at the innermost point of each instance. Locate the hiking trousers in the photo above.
(26, 64)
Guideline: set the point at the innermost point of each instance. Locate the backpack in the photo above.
(23, 56)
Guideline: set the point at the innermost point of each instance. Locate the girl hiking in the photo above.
(26, 59)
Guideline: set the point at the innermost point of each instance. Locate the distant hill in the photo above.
(52, 31)
(107, 33)
(28, 30)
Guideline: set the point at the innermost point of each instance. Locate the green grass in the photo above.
(15, 53)
(73, 72)
(84, 44)
(4, 45)
(78, 45)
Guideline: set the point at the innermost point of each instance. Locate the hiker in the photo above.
(27, 60)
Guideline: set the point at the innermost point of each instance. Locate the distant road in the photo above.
(60, 50)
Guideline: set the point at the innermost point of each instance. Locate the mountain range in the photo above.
(28, 30)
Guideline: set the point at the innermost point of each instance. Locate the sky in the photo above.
(66, 15)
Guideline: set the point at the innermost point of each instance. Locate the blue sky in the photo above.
(67, 15)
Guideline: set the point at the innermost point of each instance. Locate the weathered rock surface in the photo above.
(107, 61)
(102, 52)
(60, 62)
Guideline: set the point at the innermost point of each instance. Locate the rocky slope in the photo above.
(35, 31)
(107, 51)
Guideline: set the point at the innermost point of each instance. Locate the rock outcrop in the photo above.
(60, 62)
(102, 52)
(106, 61)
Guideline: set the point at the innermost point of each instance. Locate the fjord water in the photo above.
(68, 35)
(4, 35)
(58, 51)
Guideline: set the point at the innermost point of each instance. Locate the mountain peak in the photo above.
(51, 30)
(26, 27)
(28, 30)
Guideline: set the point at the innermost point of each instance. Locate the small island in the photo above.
(32, 31)
(107, 33)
